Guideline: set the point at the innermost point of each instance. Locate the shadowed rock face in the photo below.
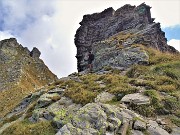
(127, 19)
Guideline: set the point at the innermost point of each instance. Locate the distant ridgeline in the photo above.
(112, 36)
(21, 72)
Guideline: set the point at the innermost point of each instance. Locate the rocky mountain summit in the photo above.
(122, 28)
(20, 69)
(134, 88)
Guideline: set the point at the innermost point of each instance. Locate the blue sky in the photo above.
(172, 32)
(50, 25)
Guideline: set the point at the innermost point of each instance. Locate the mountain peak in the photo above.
(21, 72)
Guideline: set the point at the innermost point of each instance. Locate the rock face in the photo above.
(110, 54)
(98, 27)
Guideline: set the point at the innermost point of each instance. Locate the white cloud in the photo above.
(51, 25)
(5, 35)
(175, 43)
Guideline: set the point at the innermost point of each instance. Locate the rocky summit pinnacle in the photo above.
(128, 25)
(21, 72)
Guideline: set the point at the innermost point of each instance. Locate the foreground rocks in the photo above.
(91, 119)
(94, 118)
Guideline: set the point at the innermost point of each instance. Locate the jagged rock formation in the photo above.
(129, 19)
(21, 69)
(35, 53)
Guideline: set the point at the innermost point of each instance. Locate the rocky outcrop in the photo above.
(112, 54)
(35, 53)
(94, 119)
(127, 19)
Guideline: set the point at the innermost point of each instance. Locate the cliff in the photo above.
(133, 25)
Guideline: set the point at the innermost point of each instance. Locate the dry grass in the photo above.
(27, 128)
(28, 83)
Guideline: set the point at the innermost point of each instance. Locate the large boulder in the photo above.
(136, 98)
(155, 129)
(92, 119)
(139, 125)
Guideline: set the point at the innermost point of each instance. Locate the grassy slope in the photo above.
(27, 128)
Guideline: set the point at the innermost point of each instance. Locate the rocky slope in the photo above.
(134, 88)
(21, 72)
(143, 100)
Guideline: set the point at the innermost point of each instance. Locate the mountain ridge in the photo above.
(20, 69)
(133, 89)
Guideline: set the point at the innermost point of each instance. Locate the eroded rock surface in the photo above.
(134, 20)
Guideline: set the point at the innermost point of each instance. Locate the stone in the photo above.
(47, 99)
(139, 125)
(57, 90)
(160, 121)
(35, 53)
(136, 98)
(176, 131)
(136, 132)
(104, 97)
(43, 102)
(64, 130)
(101, 84)
(63, 111)
(155, 129)
(124, 128)
(21, 107)
(128, 115)
(95, 118)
